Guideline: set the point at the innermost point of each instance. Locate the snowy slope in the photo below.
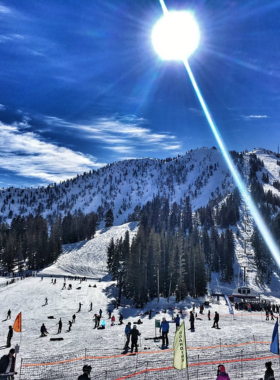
(88, 258)
(28, 296)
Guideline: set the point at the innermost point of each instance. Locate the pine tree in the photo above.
(109, 218)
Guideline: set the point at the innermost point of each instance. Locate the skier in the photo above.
(100, 313)
(46, 301)
(134, 338)
(9, 314)
(120, 319)
(43, 330)
(164, 328)
(70, 325)
(113, 320)
(64, 286)
(9, 336)
(127, 332)
(59, 326)
(150, 313)
(86, 373)
(95, 319)
(109, 313)
(209, 315)
(73, 318)
(221, 373)
(267, 315)
(216, 320)
(90, 307)
(80, 305)
(7, 363)
(98, 320)
(191, 320)
(177, 321)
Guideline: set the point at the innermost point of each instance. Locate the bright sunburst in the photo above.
(176, 36)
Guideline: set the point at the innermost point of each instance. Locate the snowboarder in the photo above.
(164, 329)
(127, 332)
(9, 336)
(9, 314)
(59, 326)
(177, 321)
(216, 320)
(113, 320)
(134, 338)
(221, 373)
(86, 373)
(7, 363)
(191, 320)
(209, 315)
(43, 330)
(73, 318)
(70, 325)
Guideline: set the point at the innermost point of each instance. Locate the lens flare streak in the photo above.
(242, 188)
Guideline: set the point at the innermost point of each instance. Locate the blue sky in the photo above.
(81, 86)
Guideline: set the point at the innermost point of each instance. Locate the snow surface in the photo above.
(89, 258)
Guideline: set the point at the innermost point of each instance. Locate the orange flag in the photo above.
(17, 324)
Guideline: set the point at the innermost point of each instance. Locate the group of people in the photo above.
(268, 375)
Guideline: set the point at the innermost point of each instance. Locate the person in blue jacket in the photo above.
(164, 329)
(127, 332)
(177, 321)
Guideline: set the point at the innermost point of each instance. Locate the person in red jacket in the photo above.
(222, 375)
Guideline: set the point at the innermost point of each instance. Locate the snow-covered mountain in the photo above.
(201, 174)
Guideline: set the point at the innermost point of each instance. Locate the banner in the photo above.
(230, 309)
(180, 353)
(17, 323)
(274, 346)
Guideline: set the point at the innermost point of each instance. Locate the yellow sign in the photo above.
(180, 353)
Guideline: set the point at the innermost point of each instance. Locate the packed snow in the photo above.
(206, 346)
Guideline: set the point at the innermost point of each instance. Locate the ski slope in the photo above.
(205, 345)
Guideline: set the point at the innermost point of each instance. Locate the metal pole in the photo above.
(158, 281)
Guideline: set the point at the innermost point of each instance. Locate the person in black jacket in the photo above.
(7, 362)
(216, 320)
(134, 338)
(86, 373)
(191, 321)
(269, 373)
(9, 336)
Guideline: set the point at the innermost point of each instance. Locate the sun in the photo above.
(176, 36)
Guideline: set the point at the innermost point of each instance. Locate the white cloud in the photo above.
(4, 9)
(2, 107)
(121, 134)
(256, 117)
(26, 154)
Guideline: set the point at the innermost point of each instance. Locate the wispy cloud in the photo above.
(2, 107)
(26, 154)
(121, 134)
(256, 117)
(4, 9)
